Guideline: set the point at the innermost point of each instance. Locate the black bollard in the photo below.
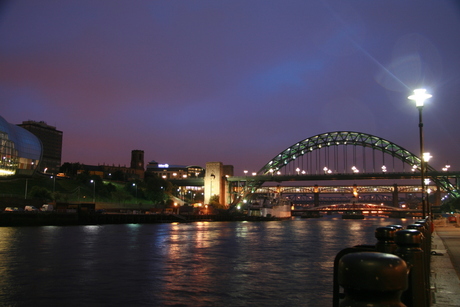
(386, 239)
(423, 227)
(372, 279)
(397, 227)
(408, 241)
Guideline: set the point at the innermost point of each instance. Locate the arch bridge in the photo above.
(341, 155)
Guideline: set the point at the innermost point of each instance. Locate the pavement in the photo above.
(445, 264)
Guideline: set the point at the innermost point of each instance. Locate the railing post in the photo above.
(372, 279)
(408, 241)
(424, 227)
(385, 237)
(397, 227)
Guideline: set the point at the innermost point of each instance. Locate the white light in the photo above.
(4, 172)
(163, 165)
(419, 97)
(427, 156)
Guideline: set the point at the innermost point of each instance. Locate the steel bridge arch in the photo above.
(345, 138)
(336, 138)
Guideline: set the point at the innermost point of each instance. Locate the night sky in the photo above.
(191, 82)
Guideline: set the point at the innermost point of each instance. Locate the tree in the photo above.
(40, 193)
(70, 169)
(451, 205)
(118, 175)
(158, 190)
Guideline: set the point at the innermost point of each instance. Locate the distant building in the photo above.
(51, 140)
(20, 150)
(137, 159)
(122, 173)
(173, 172)
(93, 170)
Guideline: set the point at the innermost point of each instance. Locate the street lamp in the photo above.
(426, 158)
(419, 97)
(446, 168)
(94, 190)
(54, 183)
(135, 185)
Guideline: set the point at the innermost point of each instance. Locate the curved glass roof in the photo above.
(20, 149)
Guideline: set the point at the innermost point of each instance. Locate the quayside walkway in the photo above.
(445, 266)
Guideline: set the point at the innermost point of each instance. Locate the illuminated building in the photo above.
(21, 151)
(172, 172)
(52, 144)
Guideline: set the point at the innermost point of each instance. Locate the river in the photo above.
(276, 263)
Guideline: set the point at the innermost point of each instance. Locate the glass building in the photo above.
(20, 150)
(51, 140)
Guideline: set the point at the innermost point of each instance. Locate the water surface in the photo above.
(277, 263)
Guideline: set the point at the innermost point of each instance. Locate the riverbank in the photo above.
(14, 219)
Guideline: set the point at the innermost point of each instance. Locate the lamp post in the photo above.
(419, 97)
(135, 185)
(426, 158)
(94, 190)
(54, 183)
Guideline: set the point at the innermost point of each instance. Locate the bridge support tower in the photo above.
(316, 196)
(215, 182)
(395, 196)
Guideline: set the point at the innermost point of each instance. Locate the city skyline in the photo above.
(236, 82)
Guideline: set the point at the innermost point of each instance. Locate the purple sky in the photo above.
(234, 81)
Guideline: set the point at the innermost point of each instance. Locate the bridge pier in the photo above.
(316, 196)
(395, 196)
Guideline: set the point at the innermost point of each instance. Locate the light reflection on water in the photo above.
(279, 263)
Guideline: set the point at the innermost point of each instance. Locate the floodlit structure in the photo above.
(20, 150)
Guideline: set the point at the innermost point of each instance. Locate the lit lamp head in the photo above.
(426, 157)
(419, 97)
